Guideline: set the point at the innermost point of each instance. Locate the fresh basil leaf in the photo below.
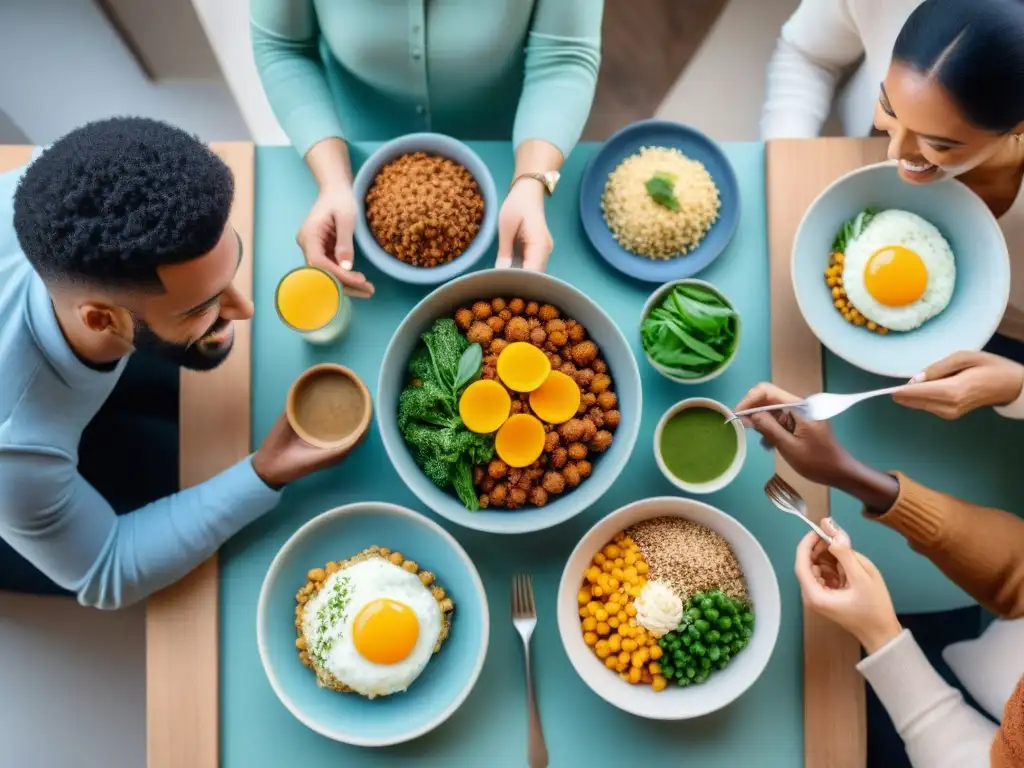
(700, 294)
(469, 365)
(661, 188)
(696, 345)
(703, 323)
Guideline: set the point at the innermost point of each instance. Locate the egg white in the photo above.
(370, 580)
(896, 227)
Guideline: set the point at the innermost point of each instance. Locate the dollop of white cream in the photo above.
(658, 610)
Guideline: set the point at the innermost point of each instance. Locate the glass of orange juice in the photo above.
(311, 301)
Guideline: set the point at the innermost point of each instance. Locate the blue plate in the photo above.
(447, 679)
(629, 141)
(982, 270)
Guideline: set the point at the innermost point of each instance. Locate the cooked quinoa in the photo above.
(646, 228)
(688, 557)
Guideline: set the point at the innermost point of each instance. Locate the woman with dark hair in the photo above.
(951, 98)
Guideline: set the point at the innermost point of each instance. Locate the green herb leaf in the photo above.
(469, 365)
(661, 188)
(852, 229)
(696, 345)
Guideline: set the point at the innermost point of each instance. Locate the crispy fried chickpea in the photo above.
(497, 305)
(596, 415)
(464, 318)
(505, 314)
(496, 324)
(558, 339)
(317, 574)
(607, 400)
(656, 653)
(480, 333)
(590, 638)
(577, 332)
(538, 337)
(548, 312)
(572, 431)
(600, 383)
(396, 558)
(498, 494)
(611, 662)
(571, 475)
(497, 469)
(635, 675)
(532, 308)
(584, 377)
(517, 406)
(590, 624)
(551, 325)
(515, 498)
(533, 322)
(554, 482)
(517, 329)
(584, 353)
(612, 418)
(659, 683)
(589, 429)
(599, 366)
(538, 496)
(517, 306)
(551, 441)
(482, 310)
(603, 629)
(411, 566)
(568, 369)
(577, 451)
(497, 345)
(488, 484)
(559, 458)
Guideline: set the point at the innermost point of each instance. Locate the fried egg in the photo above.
(373, 627)
(900, 271)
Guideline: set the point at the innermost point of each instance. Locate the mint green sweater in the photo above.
(371, 70)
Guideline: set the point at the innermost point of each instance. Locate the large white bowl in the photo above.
(721, 688)
(531, 286)
(982, 270)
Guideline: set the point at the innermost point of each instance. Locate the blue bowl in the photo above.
(982, 270)
(433, 144)
(696, 146)
(451, 673)
(530, 286)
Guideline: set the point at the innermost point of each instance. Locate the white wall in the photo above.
(64, 65)
(227, 27)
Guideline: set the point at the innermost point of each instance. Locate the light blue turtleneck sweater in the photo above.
(48, 512)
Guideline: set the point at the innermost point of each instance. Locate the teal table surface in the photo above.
(763, 728)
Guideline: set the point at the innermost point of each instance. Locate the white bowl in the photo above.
(737, 463)
(655, 298)
(721, 688)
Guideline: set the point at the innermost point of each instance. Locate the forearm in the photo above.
(875, 490)
(938, 728)
(330, 163)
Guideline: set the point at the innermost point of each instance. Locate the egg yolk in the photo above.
(895, 276)
(385, 631)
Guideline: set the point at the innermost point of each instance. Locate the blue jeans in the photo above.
(128, 452)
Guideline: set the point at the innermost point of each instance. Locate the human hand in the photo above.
(285, 457)
(809, 447)
(325, 238)
(522, 221)
(962, 382)
(845, 587)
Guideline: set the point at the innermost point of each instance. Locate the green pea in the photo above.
(728, 637)
(746, 633)
(722, 664)
(701, 626)
(713, 636)
(707, 604)
(701, 677)
(687, 640)
(722, 600)
(711, 614)
(698, 597)
(682, 682)
(705, 663)
(748, 617)
(694, 632)
(736, 646)
(677, 656)
(693, 614)
(698, 649)
(668, 670)
(714, 653)
(691, 672)
(724, 623)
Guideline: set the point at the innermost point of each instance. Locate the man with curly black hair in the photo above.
(121, 271)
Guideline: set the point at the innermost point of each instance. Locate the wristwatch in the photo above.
(549, 180)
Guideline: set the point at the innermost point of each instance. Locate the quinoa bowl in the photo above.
(536, 427)
(428, 208)
(697, 163)
(696, 608)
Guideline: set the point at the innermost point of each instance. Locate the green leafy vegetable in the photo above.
(691, 332)
(852, 229)
(661, 188)
(428, 411)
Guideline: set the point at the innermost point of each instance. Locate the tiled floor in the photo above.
(83, 670)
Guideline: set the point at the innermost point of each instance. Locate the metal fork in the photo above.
(785, 497)
(524, 617)
(822, 406)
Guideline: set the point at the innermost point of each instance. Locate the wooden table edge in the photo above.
(796, 171)
(182, 621)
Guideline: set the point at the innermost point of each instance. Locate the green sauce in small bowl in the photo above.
(696, 450)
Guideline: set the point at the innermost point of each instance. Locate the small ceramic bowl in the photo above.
(725, 478)
(448, 678)
(721, 688)
(309, 432)
(432, 144)
(656, 298)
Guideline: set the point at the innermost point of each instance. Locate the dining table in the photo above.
(209, 702)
